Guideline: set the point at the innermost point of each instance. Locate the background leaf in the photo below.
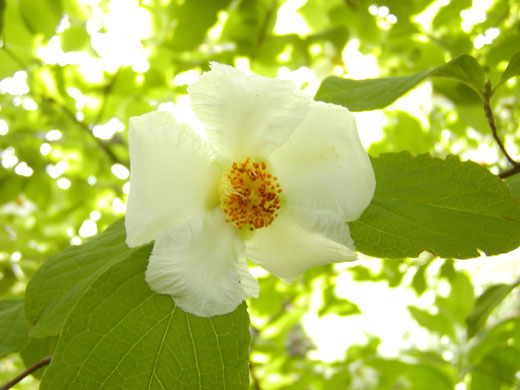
(448, 207)
(372, 94)
(41, 16)
(512, 70)
(2, 10)
(194, 18)
(369, 94)
(437, 323)
(485, 304)
(13, 326)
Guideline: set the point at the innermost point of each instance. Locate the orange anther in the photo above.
(249, 194)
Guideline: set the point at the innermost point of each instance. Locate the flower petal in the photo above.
(324, 166)
(197, 264)
(171, 176)
(286, 249)
(246, 115)
(322, 221)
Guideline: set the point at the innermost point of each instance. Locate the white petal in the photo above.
(322, 221)
(197, 264)
(171, 176)
(246, 115)
(324, 166)
(286, 249)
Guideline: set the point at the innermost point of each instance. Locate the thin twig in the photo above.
(263, 29)
(492, 125)
(106, 91)
(14, 57)
(82, 125)
(113, 158)
(509, 172)
(27, 372)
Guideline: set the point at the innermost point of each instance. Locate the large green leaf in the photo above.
(485, 304)
(369, 94)
(57, 285)
(372, 94)
(13, 326)
(123, 335)
(448, 207)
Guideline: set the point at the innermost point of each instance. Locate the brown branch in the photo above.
(27, 372)
(509, 172)
(491, 121)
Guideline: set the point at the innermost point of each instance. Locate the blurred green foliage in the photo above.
(72, 72)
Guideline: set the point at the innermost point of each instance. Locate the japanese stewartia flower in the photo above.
(275, 183)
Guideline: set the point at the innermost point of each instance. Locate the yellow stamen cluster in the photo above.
(249, 195)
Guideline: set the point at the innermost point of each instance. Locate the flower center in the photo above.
(249, 195)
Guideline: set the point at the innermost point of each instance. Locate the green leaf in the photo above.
(247, 24)
(460, 301)
(369, 94)
(447, 207)
(419, 283)
(193, 19)
(430, 377)
(450, 12)
(75, 38)
(501, 334)
(122, 334)
(496, 369)
(2, 10)
(336, 305)
(12, 186)
(512, 70)
(7, 275)
(409, 135)
(372, 94)
(485, 304)
(13, 327)
(42, 16)
(60, 281)
(465, 69)
(418, 376)
(437, 323)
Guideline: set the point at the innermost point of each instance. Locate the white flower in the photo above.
(275, 183)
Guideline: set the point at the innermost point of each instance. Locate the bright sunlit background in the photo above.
(108, 60)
